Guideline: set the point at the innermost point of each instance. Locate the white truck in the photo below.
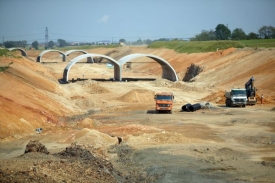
(236, 97)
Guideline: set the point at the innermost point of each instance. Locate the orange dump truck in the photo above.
(164, 102)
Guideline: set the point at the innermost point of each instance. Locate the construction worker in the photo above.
(262, 98)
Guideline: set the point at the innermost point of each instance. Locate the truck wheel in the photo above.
(170, 112)
(157, 111)
(231, 104)
(228, 103)
(244, 105)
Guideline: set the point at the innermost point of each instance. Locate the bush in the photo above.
(5, 52)
(4, 68)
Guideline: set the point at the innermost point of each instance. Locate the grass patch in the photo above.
(211, 46)
(196, 46)
(262, 43)
(6, 53)
(4, 68)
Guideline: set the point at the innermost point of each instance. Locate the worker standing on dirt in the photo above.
(262, 98)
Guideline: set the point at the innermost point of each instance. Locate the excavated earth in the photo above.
(93, 131)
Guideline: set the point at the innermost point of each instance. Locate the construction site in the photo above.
(95, 128)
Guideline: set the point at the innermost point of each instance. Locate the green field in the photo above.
(210, 46)
(261, 43)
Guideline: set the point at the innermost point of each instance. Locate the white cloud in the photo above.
(104, 19)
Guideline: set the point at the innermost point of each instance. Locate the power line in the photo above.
(24, 35)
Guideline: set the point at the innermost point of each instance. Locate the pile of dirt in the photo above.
(138, 96)
(36, 146)
(228, 154)
(88, 123)
(65, 166)
(92, 138)
(94, 87)
(77, 151)
(216, 97)
(162, 83)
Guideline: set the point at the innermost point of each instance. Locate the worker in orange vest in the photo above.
(262, 98)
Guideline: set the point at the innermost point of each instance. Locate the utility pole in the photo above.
(46, 38)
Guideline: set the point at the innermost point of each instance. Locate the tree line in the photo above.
(35, 44)
(222, 32)
(11, 44)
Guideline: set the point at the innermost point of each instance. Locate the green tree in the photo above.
(252, 35)
(222, 32)
(148, 41)
(204, 36)
(62, 42)
(35, 45)
(10, 44)
(51, 44)
(267, 32)
(122, 41)
(238, 34)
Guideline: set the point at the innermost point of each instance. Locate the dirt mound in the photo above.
(162, 83)
(138, 96)
(94, 87)
(74, 164)
(76, 150)
(88, 123)
(36, 146)
(93, 138)
(228, 154)
(217, 97)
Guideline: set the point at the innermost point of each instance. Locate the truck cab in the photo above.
(236, 97)
(164, 102)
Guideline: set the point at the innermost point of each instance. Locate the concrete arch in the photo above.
(39, 58)
(89, 59)
(23, 52)
(71, 51)
(92, 55)
(167, 70)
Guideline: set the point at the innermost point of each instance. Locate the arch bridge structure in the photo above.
(167, 70)
(39, 58)
(91, 55)
(64, 55)
(23, 52)
(89, 59)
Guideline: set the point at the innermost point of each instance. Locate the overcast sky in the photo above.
(96, 20)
